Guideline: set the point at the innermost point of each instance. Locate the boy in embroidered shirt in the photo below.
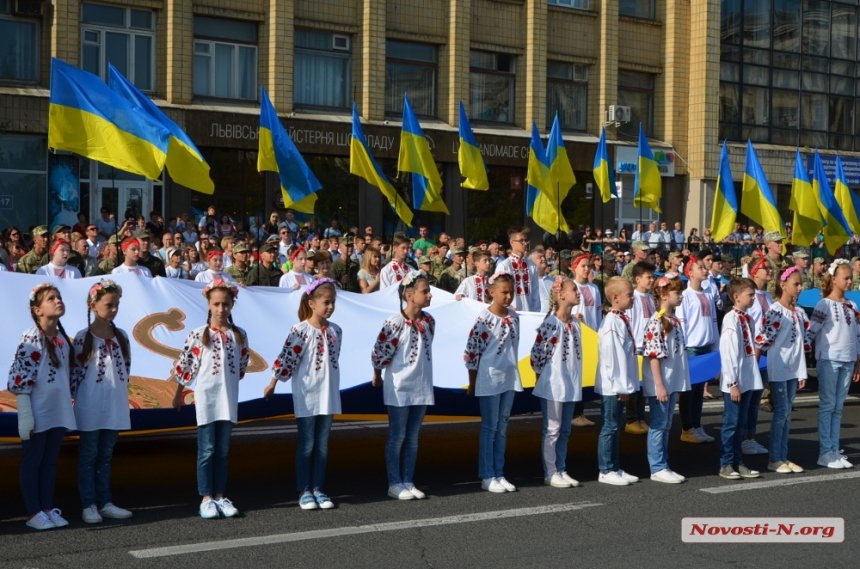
(526, 291)
(739, 378)
(475, 287)
(640, 311)
(397, 268)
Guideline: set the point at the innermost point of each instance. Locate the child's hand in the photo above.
(177, 399)
(269, 390)
(735, 393)
(662, 394)
(377, 378)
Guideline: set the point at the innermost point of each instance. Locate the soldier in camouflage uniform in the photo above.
(32, 260)
(64, 232)
(564, 257)
(773, 257)
(345, 269)
(607, 271)
(640, 253)
(266, 272)
(854, 263)
(819, 267)
(147, 259)
(425, 264)
(110, 255)
(801, 261)
(240, 268)
(454, 275)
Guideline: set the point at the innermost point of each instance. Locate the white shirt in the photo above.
(474, 287)
(590, 305)
(784, 333)
(209, 275)
(295, 281)
(403, 350)
(100, 385)
(698, 316)
(556, 357)
(526, 291)
(491, 350)
(310, 358)
(64, 272)
(671, 350)
(738, 364)
(392, 273)
(835, 328)
(216, 371)
(763, 301)
(643, 308)
(138, 270)
(617, 370)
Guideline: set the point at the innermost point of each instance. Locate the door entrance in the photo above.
(123, 197)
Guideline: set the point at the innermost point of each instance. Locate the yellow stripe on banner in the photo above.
(589, 361)
(96, 138)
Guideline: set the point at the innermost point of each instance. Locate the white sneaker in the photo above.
(678, 476)
(492, 485)
(399, 492)
(57, 519)
(416, 493)
(91, 515)
(226, 507)
(113, 512)
(704, 436)
(612, 478)
(557, 481)
(574, 483)
(666, 476)
(751, 446)
(209, 510)
(40, 522)
(831, 460)
(845, 462)
(506, 485)
(628, 477)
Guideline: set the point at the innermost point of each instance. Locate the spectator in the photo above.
(677, 237)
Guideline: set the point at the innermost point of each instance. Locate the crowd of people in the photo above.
(665, 304)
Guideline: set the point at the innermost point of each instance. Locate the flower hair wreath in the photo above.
(37, 289)
(221, 284)
(492, 278)
(309, 290)
(103, 285)
(835, 265)
(787, 273)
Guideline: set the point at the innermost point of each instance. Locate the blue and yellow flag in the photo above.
(647, 187)
(364, 165)
(846, 198)
(836, 231)
(278, 153)
(725, 200)
(544, 198)
(604, 174)
(86, 117)
(469, 156)
(757, 201)
(537, 153)
(804, 203)
(184, 161)
(415, 158)
(560, 169)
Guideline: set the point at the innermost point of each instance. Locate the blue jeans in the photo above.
(734, 426)
(659, 425)
(312, 451)
(609, 440)
(213, 450)
(834, 379)
(690, 402)
(39, 469)
(781, 397)
(95, 451)
(401, 450)
(495, 412)
(557, 418)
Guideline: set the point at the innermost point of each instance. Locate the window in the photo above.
(323, 69)
(410, 68)
(491, 86)
(23, 179)
(579, 4)
(225, 58)
(567, 94)
(637, 8)
(124, 37)
(636, 90)
(19, 46)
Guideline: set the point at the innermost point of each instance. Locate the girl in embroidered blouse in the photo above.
(836, 331)
(556, 358)
(491, 358)
(403, 350)
(296, 278)
(784, 334)
(39, 380)
(216, 357)
(58, 266)
(665, 373)
(100, 389)
(310, 357)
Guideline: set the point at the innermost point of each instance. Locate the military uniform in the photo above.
(106, 267)
(153, 263)
(451, 278)
(30, 262)
(238, 275)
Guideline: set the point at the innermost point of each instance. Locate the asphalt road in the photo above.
(457, 526)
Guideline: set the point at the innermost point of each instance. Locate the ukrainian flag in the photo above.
(363, 165)
(846, 199)
(86, 117)
(757, 201)
(537, 153)
(278, 153)
(415, 157)
(469, 156)
(807, 218)
(725, 200)
(547, 202)
(560, 169)
(647, 187)
(604, 174)
(836, 231)
(184, 161)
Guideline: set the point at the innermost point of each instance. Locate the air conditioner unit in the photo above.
(340, 42)
(27, 8)
(618, 113)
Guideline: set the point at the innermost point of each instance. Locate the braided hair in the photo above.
(35, 300)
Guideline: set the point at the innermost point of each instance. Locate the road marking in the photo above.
(356, 530)
(788, 481)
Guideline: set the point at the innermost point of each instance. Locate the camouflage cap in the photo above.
(800, 254)
(640, 246)
(565, 254)
(142, 234)
(772, 236)
(240, 248)
(268, 247)
(62, 229)
(115, 239)
(609, 256)
(818, 260)
(40, 230)
(459, 252)
(424, 259)
(674, 254)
